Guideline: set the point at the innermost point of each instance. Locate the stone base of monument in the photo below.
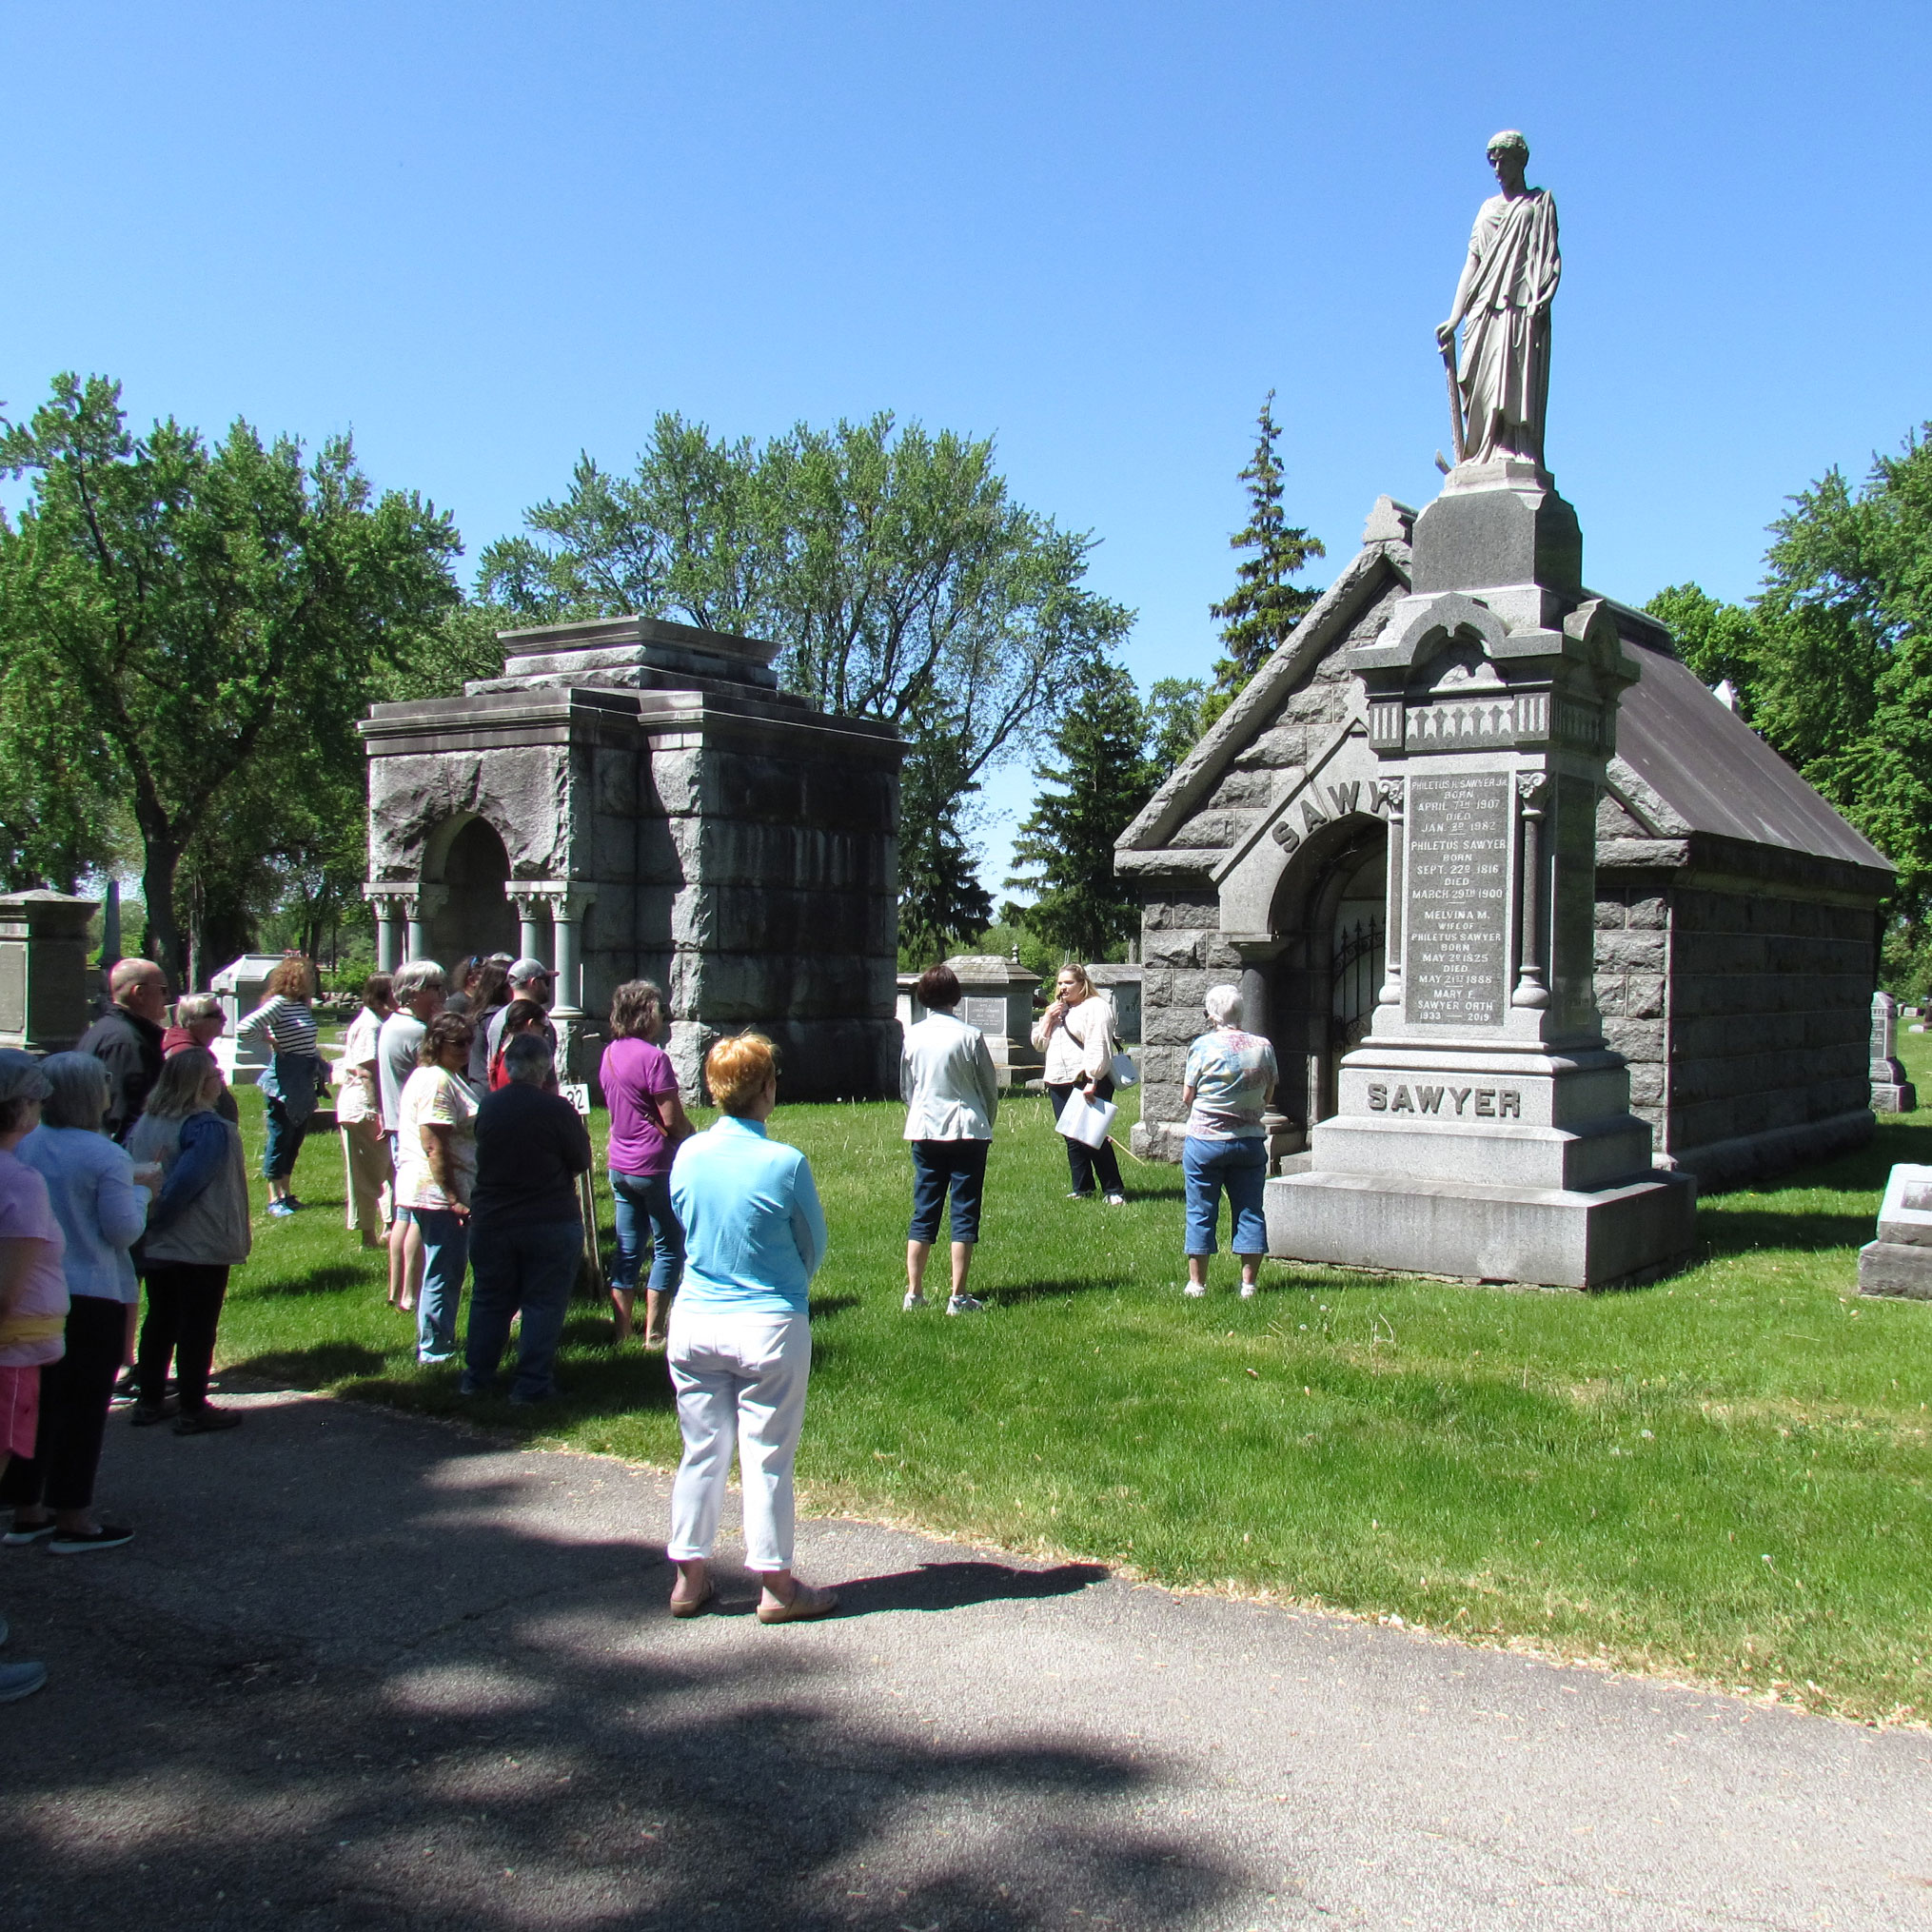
(1894, 1096)
(1900, 1261)
(1551, 1237)
(1895, 1267)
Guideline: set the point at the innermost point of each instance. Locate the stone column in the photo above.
(533, 922)
(389, 902)
(566, 900)
(1391, 993)
(424, 903)
(1532, 793)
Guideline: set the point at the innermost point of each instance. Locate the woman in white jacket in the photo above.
(951, 1096)
(1075, 1034)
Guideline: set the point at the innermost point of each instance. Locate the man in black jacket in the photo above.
(127, 1040)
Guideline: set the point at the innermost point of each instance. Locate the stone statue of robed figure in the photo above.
(1501, 380)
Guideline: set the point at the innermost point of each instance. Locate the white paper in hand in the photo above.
(1086, 1120)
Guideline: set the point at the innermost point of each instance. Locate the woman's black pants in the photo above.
(184, 1310)
(75, 1394)
(1083, 1161)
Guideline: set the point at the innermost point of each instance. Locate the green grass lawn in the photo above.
(1725, 1475)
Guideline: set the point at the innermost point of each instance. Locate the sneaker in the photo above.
(1194, 1289)
(1074, 1194)
(1249, 1290)
(207, 1421)
(964, 1303)
(126, 1387)
(433, 1360)
(1116, 1200)
(109, 1536)
(20, 1680)
(148, 1413)
(22, 1534)
(282, 1209)
(914, 1299)
(292, 1204)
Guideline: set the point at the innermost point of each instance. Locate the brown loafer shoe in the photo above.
(806, 1602)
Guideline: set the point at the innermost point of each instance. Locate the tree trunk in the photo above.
(166, 941)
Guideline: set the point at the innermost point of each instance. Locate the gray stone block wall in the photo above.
(1179, 932)
(1769, 1028)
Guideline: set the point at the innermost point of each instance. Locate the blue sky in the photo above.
(485, 237)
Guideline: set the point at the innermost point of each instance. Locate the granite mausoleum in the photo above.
(1734, 914)
(636, 797)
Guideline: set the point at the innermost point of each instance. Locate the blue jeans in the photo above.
(285, 1139)
(642, 1199)
(1241, 1166)
(934, 1164)
(532, 1268)
(445, 1249)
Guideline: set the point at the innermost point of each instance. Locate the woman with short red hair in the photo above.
(741, 1343)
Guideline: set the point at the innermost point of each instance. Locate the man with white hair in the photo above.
(1230, 1075)
(417, 990)
(126, 1039)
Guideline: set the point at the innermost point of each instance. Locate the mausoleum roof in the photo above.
(1686, 766)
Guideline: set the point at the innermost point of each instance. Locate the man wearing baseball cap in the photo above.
(529, 979)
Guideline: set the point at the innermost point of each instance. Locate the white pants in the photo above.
(743, 1374)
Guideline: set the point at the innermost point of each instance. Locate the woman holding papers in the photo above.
(1075, 1034)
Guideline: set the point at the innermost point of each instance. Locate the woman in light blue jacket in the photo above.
(93, 1186)
(741, 1341)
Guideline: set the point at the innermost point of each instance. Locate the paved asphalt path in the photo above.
(360, 1670)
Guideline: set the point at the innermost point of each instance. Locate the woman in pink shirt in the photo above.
(646, 1123)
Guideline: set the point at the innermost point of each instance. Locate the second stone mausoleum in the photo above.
(634, 797)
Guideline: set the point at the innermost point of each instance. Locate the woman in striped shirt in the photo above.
(283, 1027)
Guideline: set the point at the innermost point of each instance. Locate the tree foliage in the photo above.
(1833, 659)
(891, 567)
(1266, 603)
(1100, 774)
(213, 620)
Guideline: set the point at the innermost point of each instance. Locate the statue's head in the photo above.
(1509, 156)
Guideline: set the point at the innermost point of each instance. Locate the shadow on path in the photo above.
(953, 1586)
(358, 1672)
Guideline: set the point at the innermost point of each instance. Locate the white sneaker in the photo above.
(914, 1299)
(1116, 1200)
(1249, 1289)
(964, 1303)
(1194, 1289)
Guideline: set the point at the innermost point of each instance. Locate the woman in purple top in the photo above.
(646, 1123)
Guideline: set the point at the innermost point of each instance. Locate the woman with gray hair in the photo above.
(100, 1201)
(1230, 1075)
(33, 1291)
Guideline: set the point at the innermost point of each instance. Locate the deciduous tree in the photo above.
(200, 608)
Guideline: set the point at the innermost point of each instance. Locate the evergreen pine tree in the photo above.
(1266, 605)
(1098, 778)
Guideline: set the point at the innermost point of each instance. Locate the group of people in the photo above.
(121, 1163)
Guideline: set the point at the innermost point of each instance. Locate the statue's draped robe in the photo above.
(1505, 366)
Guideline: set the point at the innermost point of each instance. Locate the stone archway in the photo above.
(473, 915)
(1326, 935)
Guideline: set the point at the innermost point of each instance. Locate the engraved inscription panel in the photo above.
(989, 1015)
(1456, 964)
